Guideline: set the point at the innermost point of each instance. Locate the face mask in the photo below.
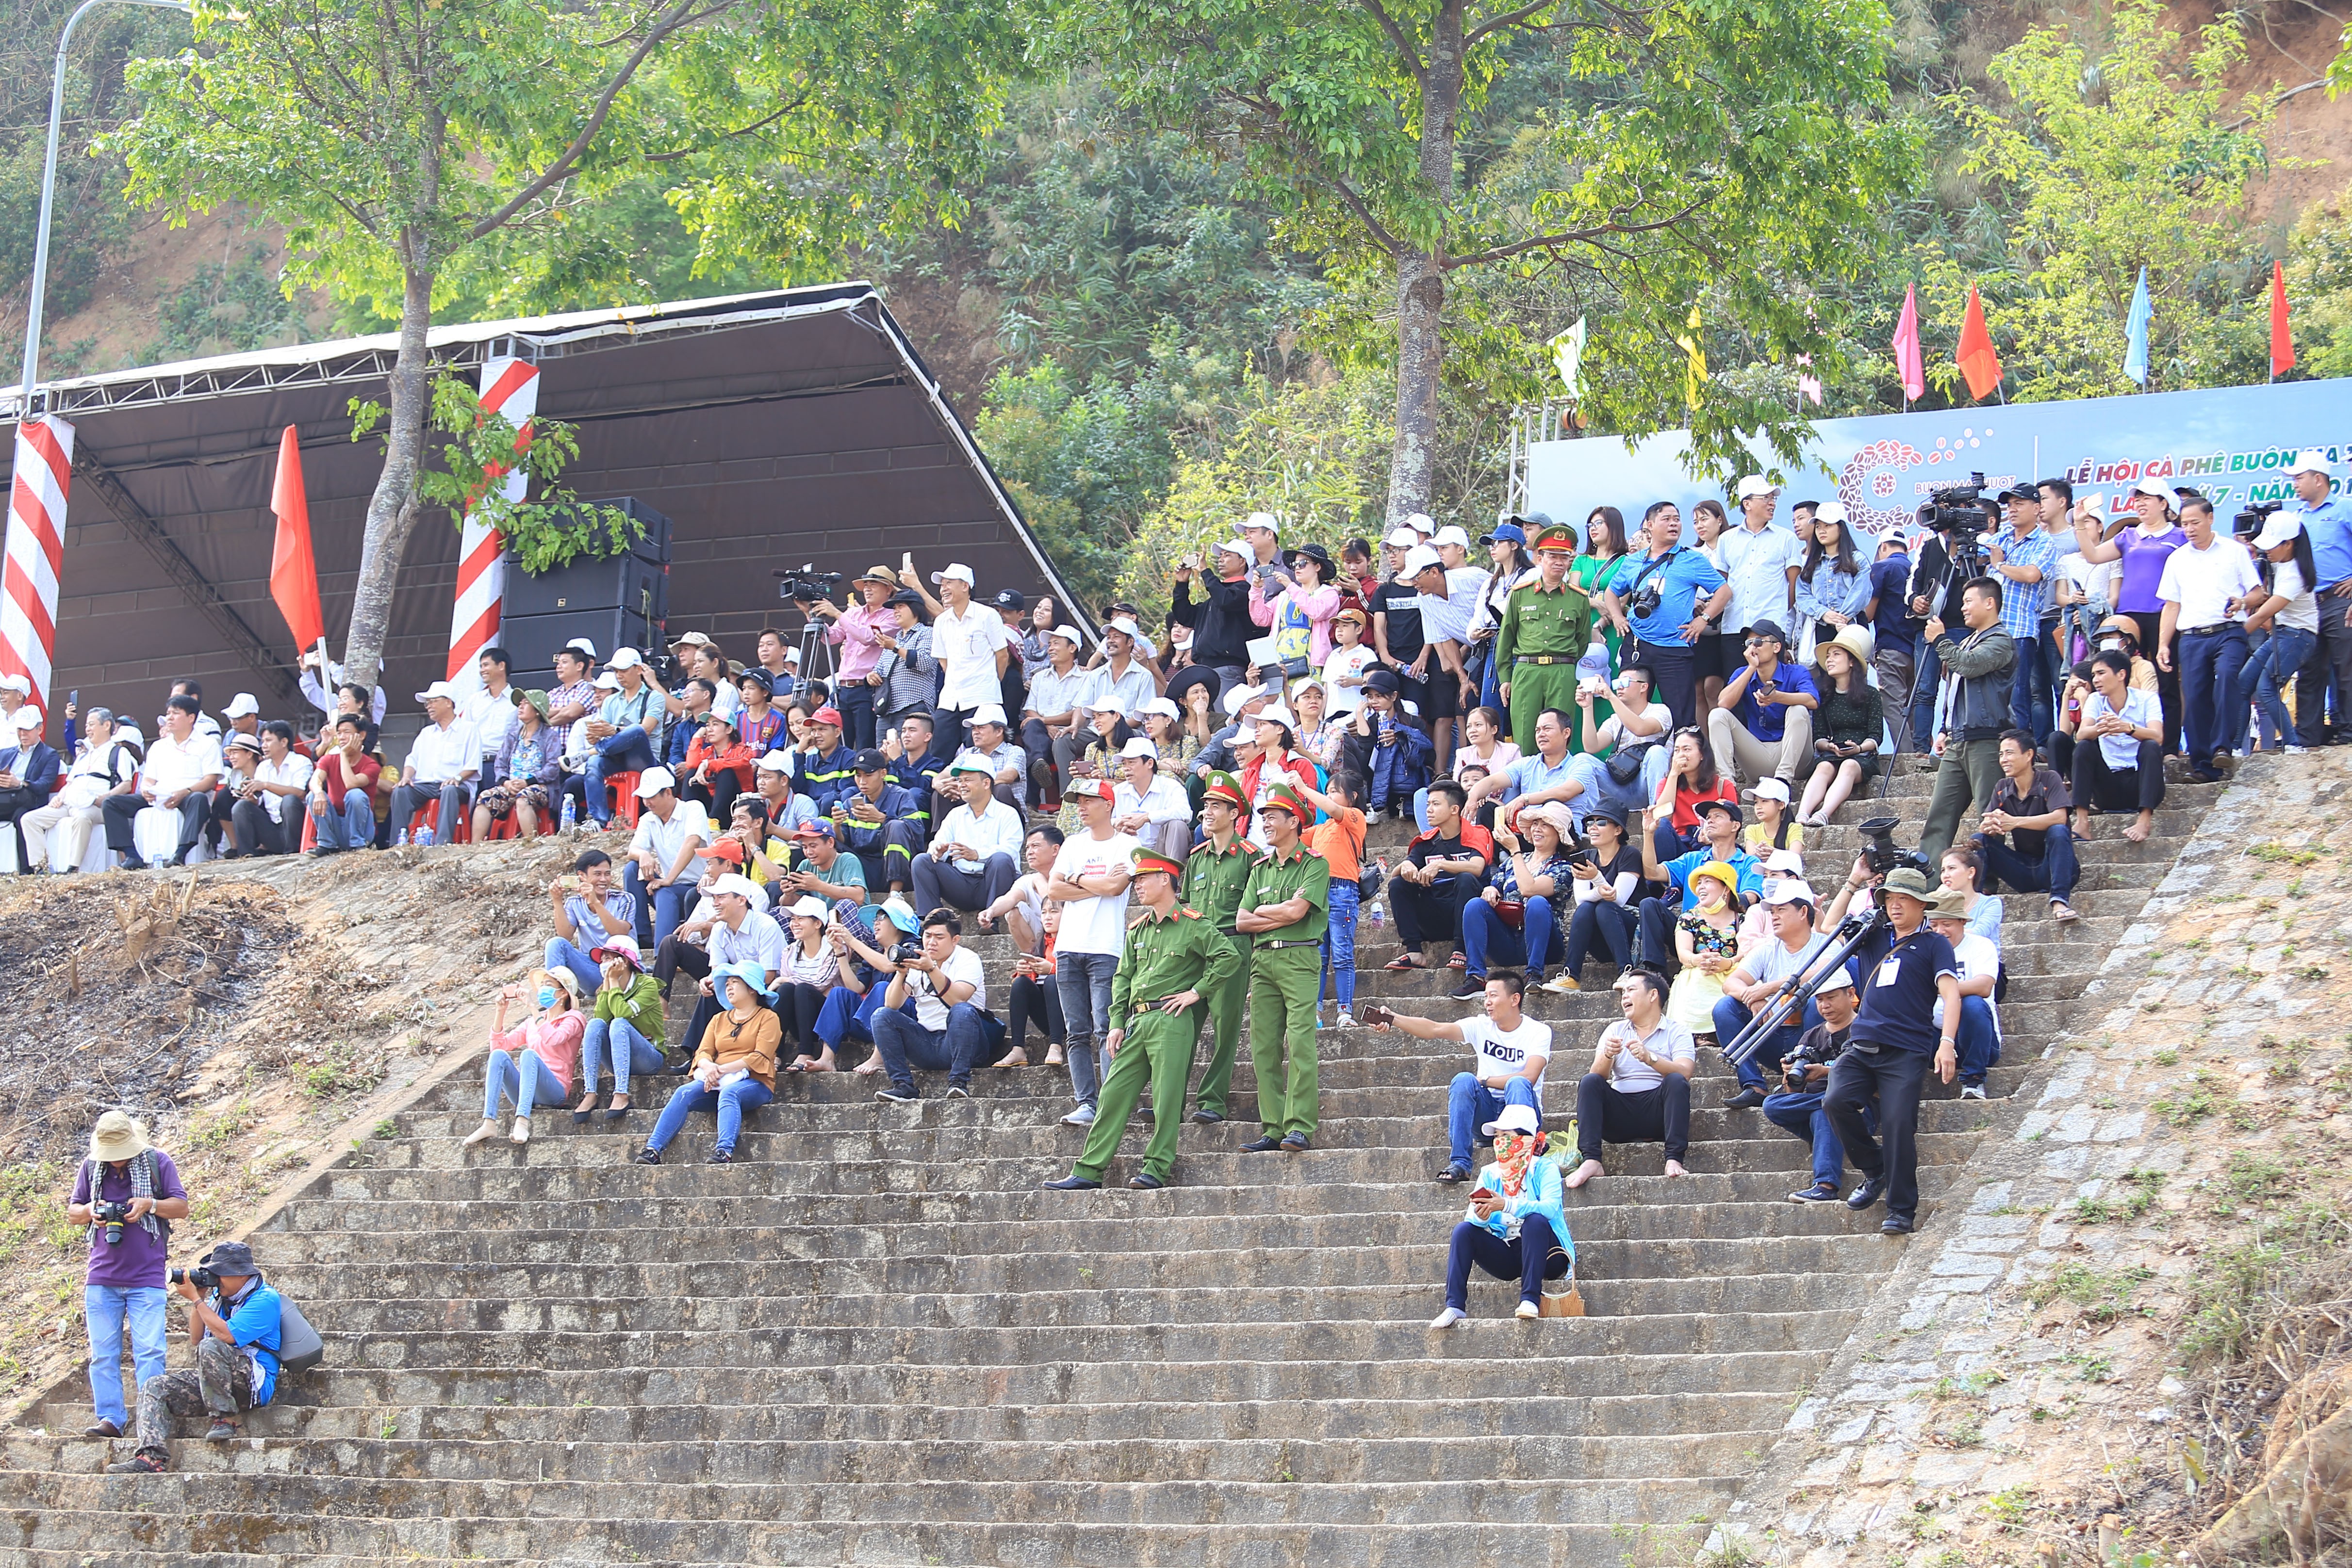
(547, 996)
(2110, 644)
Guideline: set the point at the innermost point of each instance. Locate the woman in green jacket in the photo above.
(627, 1026)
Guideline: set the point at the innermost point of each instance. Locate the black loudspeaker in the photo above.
(531, 641)
(622, 583)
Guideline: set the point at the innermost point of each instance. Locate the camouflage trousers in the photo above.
(221, 1385)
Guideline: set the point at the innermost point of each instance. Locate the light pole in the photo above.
(49, 194)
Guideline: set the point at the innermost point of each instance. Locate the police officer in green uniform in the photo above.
(1285, 909)
(1214, 877)
(1174, 958)
(1546, 626)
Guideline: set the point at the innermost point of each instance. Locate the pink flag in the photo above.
(1909, 363)
(1808, 383)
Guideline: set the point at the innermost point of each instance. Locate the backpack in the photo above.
(300, 1348)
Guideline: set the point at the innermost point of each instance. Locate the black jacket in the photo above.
(1221, 628)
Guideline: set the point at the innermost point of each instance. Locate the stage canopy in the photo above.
(772, 429)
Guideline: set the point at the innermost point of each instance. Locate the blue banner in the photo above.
(2232, 444)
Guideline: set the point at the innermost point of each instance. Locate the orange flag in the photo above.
(1978, 364)
(293, 575)
(2282, 340)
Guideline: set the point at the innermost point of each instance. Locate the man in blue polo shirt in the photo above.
(1665, 633)
(1906, 969)
(1718, 826)
(1763, 723)
(2327, 520)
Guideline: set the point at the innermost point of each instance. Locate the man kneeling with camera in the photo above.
(235, 1323)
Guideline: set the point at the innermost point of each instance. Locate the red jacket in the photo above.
(735, 756)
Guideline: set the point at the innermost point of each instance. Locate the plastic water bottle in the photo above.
(401, 842)
(425, 838)
(570, 815)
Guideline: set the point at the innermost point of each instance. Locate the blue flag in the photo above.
(2135, 345)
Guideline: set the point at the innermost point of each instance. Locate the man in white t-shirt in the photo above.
(1510, 1051)
(2205, 586)
(972, 647)
(1639, 721)
(665, 855)
(950, 1027)
(1979, 962)
(1090, 876)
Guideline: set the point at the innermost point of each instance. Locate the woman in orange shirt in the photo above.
(1339, 839)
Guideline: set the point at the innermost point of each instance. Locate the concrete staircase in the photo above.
(873, 1340)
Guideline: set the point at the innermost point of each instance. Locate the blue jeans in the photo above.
(2281, 655)
(630, 752)
(111, 1308)
(1732, 1016)
(906, 1045)
(631, 1052)
(2028, 692)
(566, 954)
(1977, 1039)
(1085, 979)
(1339, 944)
(1599, 789)
(847, 1014)
(526, 1081)
(352, 828)
(2053, 869)
(730, 1103)
(1470, 1105)
(1803, 1115)
(2212, 719)
(663, 908)
(1533, 945)
(1607, 924)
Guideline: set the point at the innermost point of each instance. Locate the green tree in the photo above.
(2099, 162)
(413, 147)
(1734, 146)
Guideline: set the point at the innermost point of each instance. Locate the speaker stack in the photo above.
(620, 601)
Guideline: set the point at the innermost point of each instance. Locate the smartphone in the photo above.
(73, 698)
(1483, 1192)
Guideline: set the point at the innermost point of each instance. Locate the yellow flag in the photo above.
(1694, 373)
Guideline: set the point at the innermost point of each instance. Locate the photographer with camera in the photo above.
(127, 1191)
(236, 1324)
(1655, 595)
(863, 633)
(1796, 1107)
(1979, 672)
(1950, 554)
(948, 1027)
(1907, 969)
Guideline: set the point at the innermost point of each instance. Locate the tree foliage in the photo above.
(2101, 161)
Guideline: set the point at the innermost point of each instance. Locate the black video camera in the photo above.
(2249, 523)
(805, 584)
(112, 1216)
(1959, 509)
(1879, 850)
(202, 1278)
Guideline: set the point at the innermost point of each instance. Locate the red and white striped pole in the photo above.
(509, 388)
(34, 552)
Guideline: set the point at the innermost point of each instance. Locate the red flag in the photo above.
(1909, 363)
(1978, 364)
(293, 575)
(2282, 340)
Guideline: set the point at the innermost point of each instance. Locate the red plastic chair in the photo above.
(429, 815)
(625, 798)
(511, 826)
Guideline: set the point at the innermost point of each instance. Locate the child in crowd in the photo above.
(1706, 939)
(1339, 839)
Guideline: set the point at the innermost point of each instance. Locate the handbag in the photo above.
(1624, 763)
(1568, 1303)
(1512, 912)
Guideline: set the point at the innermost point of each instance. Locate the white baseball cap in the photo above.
(691, 639)
(438, 688)
(23, 683)
(2159, 490)
(2277, 528)
(1837, 979)
(240, 705)
(1235, 547)
(1422, 523)
(777, 762)
(1280, 714)
(2313, 461)
(29, 718)
(627, 658)
(1515, 1119)
(1829, 512)
(1756, 485)
(809, 904)
(1770, 789)
(1126, 624)
(1419, 559)
(1070, 634)
(1235, 698)
(1788, 890)
(958, 571)
(1785, 860)
(792, 654)
(608, 681)
(1108, 703)
(1161, 706)
(1451, 534)
(1402, 539)
(740, 884)
(1139, 747)
(1265, 520)
(989, 713)
(653, 780)
(582, 647)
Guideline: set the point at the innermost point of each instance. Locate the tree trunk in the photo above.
(393, 511)
(1421, 277)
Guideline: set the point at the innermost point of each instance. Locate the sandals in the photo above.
(1054, 1057)
(1458, 960)
(1404, 961)
(1018, 1057)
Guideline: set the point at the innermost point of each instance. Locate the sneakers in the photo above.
(1345, 1020)
(2295, 751)
(1528, 1309)
(958, 1092)
(1445, 1319)
(648, 1157)
(1819, 1193)
(1083, 1116)
(1745, 1100)
(1074, 1184)
(1473, 986)
(1561, 985)
(721, 1157)
(221, 1432)
(145, 1462)
(1972, 1091)
(898, 1096)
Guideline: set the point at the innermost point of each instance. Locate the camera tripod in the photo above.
(1797, 990)
(814, 646)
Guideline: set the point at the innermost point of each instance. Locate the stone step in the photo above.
(1700, 1406)
(1331, 1460)
(319, 1512)
(280, 1541)
(1476, 1363)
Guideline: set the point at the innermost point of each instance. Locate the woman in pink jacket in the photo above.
(1299, 616)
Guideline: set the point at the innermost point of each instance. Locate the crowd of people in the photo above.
(1611, 741)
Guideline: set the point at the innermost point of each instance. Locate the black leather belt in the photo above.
(1547, 659)
(2206, 631)
(1308, 941)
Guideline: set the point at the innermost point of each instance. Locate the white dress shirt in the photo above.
(293, 772)
(1165, 802)
(966, 647)
(663, 840)
(2203, 582)
(996, 830)
(445, 755)
(493, 718)
(175, 765)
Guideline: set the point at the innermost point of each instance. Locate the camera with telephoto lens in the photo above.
(1792, 1070)
(112, 1216)
(1879, 847)
(805, 584)
(2249, 523)
(903, 952)
(202, 1278)
(1647, 599)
